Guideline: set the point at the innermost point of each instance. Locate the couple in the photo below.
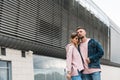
(83, 57)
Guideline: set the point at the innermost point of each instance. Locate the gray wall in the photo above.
(115, 45)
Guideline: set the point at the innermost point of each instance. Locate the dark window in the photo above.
(3, 51)
(23, 54)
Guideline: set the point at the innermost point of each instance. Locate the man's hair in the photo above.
(80, 27)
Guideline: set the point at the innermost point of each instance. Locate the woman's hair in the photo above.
(73, 35)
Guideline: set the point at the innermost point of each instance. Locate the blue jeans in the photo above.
(78, 77)
(92, 76)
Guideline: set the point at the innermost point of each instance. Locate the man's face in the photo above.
(81, 33)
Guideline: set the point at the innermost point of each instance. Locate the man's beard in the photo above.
(81, 37)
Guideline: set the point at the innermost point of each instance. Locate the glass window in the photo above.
(3, 64)
(5, 70)
(48, 68)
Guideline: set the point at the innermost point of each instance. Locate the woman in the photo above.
(74, 64)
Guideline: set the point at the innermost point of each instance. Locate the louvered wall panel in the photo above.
(46, 21)
(32, 20)
(31, 25)
(57, 24)
(43, 26)
(27, 19)
(9, 17)
(57, 15)
(65, 24)
(72, 24)
(51, 33)
(46, 10)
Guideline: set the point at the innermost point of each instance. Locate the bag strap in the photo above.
(81, 55)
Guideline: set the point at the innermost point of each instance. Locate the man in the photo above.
(91, 51)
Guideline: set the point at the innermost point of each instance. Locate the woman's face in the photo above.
(75, 40)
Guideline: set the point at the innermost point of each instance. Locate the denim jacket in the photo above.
(95, 53)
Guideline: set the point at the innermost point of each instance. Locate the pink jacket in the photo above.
(73, 60)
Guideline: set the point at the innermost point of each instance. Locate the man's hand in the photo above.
(88, 60)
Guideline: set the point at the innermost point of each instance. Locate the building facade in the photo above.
(44, 27)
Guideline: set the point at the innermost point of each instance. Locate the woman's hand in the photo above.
(68, 76)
